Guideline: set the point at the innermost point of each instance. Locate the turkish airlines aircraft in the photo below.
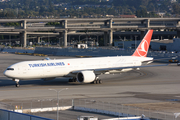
(83, 70)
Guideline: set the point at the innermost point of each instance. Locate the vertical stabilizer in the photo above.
(143, 47)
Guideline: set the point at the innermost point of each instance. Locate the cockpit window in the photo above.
(10, 68)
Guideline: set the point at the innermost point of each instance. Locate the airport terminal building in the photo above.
(165, 45)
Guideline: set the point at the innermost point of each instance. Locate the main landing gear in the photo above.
(97, 81)
(17, 82)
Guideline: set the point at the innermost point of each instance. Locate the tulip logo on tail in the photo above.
(143, 47)
(142, 50)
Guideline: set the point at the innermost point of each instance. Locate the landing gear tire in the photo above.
(97, 81)
(17, 82)
(17, 85)
(100, 81)
(94, 82)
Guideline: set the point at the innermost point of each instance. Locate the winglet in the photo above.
(143, 47)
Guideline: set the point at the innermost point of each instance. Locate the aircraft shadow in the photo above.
(61, 81)
(38, 82)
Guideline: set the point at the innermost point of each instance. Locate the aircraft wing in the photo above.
(160, 59)
(98, 70)
(120, 68)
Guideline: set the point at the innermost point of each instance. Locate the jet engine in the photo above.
(86, 76)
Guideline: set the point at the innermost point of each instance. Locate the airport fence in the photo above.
(123, 110)
(37, 107)
(11, 115)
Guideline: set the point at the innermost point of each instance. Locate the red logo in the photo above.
(68, 63)
(143, 48)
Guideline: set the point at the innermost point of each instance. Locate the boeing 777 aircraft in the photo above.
(83, 70)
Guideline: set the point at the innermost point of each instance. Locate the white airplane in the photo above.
(83, 70)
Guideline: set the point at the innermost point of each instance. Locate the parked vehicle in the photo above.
(173, 61)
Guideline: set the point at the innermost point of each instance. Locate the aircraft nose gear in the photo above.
(17, 85)
(17, 82)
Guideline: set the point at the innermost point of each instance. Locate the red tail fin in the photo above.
(143, 47)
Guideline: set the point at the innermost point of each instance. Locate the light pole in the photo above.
(10, 40)
(48, 38)
(122, 41)
(58, 91)
(97, 40)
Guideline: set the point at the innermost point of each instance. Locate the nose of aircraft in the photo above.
(5, 73)
(8, 73)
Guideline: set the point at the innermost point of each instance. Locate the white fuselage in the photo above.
(64, 67)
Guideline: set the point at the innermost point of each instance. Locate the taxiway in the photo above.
(148, 85)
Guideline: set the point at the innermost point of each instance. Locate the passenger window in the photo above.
(10, 68)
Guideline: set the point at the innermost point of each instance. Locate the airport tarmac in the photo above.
(152, 88)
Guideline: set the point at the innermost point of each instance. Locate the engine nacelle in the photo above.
(86, 77)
